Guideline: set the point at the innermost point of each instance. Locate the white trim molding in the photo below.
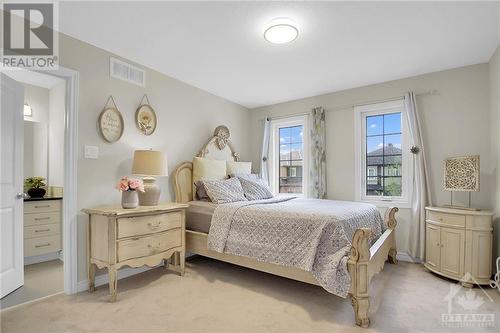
(43, 258)
(360, 114)
(403, 256)
(70, 210)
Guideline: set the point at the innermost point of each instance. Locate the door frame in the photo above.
(70, 205)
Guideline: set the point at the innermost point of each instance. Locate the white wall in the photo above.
(495, 144)
(455, 122)
(57, 99)
(186, 116)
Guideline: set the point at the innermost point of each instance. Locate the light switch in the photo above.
(91, 152)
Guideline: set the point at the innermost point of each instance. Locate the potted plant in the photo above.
(35, 186)
(129, 188)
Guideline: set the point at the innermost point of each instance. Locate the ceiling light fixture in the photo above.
(281, 31)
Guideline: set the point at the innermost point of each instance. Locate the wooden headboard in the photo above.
(218, 147)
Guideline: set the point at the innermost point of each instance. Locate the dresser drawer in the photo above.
(444, 218)
(143, 225)
(42, 230)
(41, 218)
(42, 245)
(42, 206)
(148, 245)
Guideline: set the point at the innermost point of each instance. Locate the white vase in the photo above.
(130, 199)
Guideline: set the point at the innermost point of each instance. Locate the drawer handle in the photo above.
(42, 230)
(154, 248)
(42, 218)
(154, 225)
(44, 206)
(42, 245)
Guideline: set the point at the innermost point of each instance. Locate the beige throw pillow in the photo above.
(238, 167)
(207, 169)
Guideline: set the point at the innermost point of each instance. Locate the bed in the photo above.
(366, 253)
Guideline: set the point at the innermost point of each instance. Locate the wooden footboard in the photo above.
(364, 262)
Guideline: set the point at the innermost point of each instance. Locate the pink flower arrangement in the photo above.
(130, 184)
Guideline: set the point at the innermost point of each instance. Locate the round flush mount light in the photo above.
(281, 31)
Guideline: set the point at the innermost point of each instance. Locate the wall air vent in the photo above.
(127, 72)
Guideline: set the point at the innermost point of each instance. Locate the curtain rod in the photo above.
(390, 99)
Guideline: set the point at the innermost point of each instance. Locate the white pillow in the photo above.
(238, 167)
(224, 191)
(207, 169)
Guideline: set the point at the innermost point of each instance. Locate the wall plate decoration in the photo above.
(145, 117)
(110, 123)
(462, 173)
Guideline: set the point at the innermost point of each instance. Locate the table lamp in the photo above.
(149, 164)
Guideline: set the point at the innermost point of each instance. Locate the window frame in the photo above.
(360, 114)
(274, 146)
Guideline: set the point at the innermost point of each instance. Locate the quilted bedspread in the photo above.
(310, 234)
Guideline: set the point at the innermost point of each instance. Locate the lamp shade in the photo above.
(149, 163)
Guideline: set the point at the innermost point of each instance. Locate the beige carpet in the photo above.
(40, 280)
(218, 297)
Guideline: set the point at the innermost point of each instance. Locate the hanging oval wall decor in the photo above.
(110, 122)
(145, 117)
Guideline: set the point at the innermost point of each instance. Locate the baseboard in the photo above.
(104, 279)
(42, 258)
(403, 256)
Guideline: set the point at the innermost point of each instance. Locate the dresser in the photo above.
(42, 229)
(459, 244)
(147, 235)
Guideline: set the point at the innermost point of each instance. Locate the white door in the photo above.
(452, 251)
(432, 246)
(11, 185)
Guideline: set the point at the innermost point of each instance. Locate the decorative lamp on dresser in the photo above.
(459, 244)
(146, 235)
(42, 229)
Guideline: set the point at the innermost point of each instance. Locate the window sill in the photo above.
(383, 203)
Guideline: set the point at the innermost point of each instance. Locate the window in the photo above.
(288, 153)
(382, 153)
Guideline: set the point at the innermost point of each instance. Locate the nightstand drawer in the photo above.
(41, 245)
(143, 225)
(42, 230)
(41, 218)
(444, 218)
(42, 206)
(149, 245)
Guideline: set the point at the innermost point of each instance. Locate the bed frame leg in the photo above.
(392, 256)
(361, 306)
(358, 269)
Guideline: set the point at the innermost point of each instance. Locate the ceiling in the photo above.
(219, 46)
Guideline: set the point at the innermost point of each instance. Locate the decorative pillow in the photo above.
(201, 192)
(207, 169)
(248, 176)
(255, 189)
(224, 191)
(238, 167)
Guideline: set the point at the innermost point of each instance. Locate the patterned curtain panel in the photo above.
(318, 154)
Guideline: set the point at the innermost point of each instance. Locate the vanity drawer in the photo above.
(41, 245)
(444, 218)
(41, 218)
(42, 230)
(148, 245)
(143, 225)
(42, 206)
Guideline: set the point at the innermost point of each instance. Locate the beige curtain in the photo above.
(318, 154)
(421, 195)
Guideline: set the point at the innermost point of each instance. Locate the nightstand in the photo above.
(146, 235)
(459, 244)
